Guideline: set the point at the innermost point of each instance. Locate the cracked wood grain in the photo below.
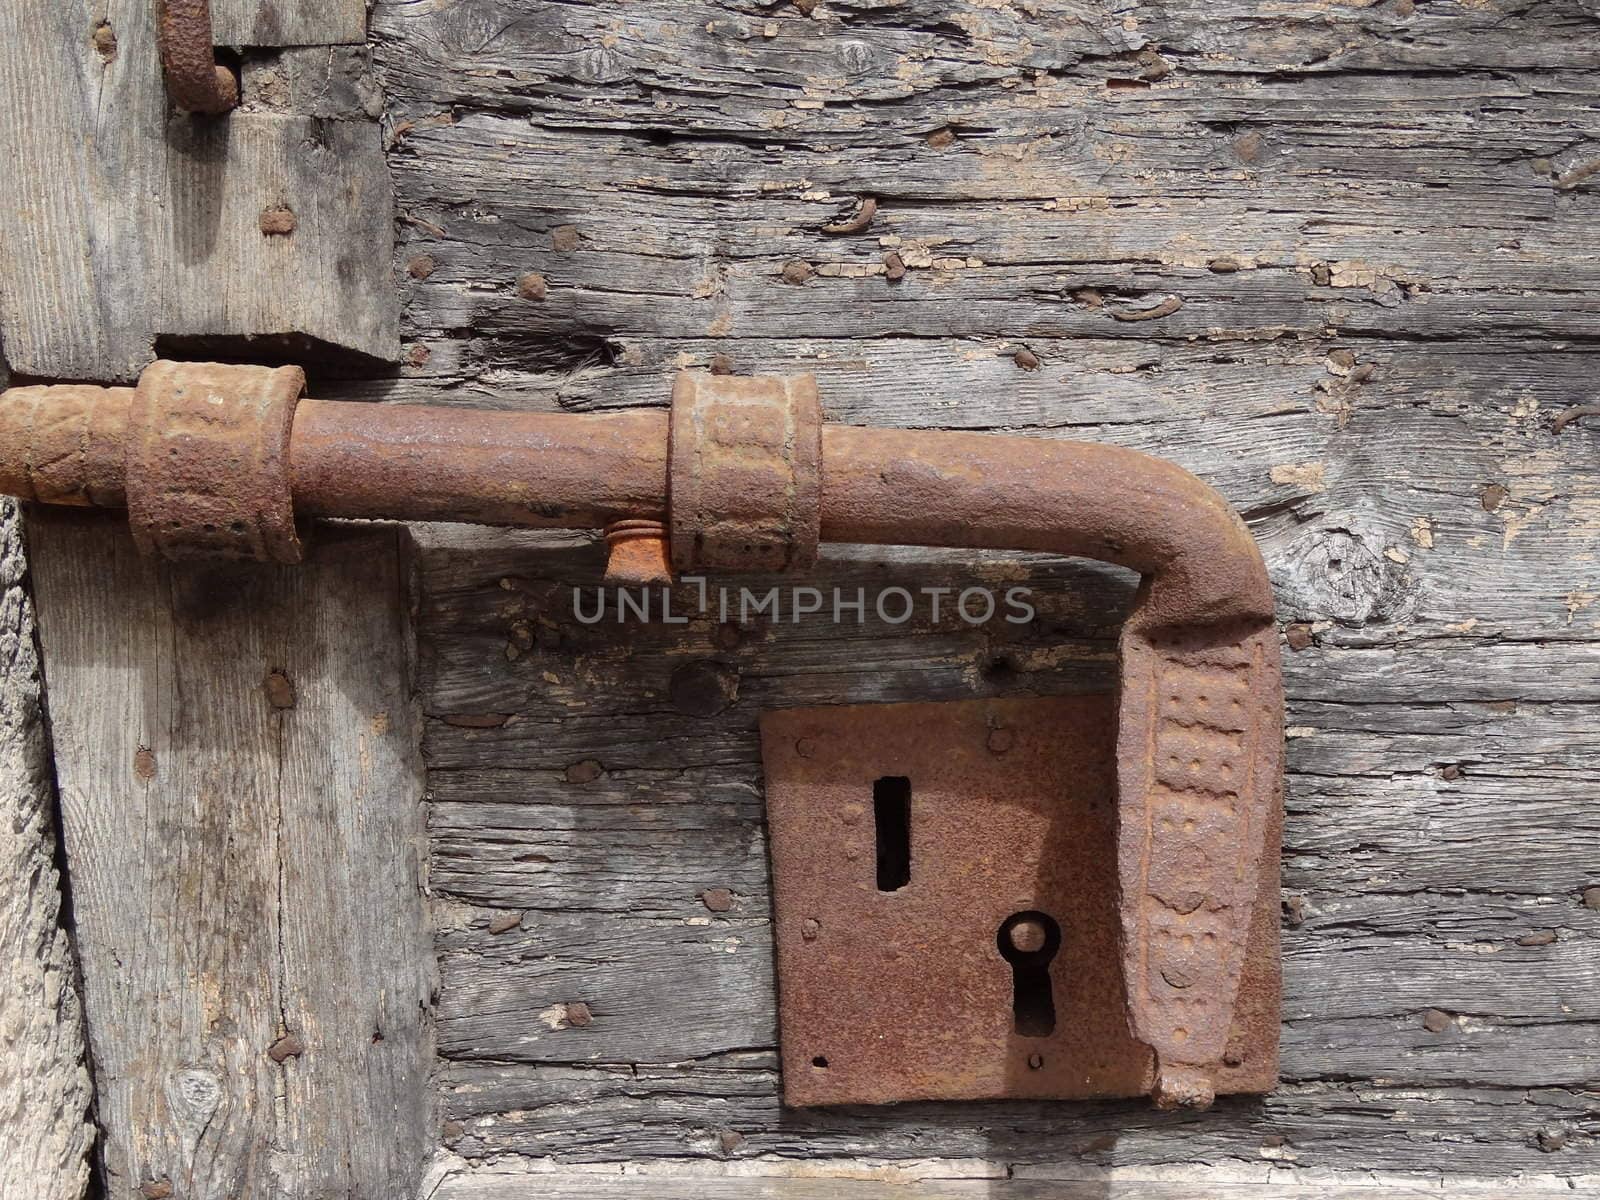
(44, 1085)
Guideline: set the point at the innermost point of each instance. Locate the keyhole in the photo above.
(1028, 941)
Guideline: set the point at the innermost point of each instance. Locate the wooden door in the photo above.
(1339, 261)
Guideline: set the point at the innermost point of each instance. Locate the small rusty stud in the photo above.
(278, 220)
(1028, 936)
(639, 555)
(579, 1015)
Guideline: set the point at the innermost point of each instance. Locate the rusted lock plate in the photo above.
(945, 879)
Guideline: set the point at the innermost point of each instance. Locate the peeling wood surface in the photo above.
(125, 222)
(1338, 260)
(242, 805)
(45, 1131)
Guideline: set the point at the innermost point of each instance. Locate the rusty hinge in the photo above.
(195, 81)
(744, 475)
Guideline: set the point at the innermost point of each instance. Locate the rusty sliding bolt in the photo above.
(744, 475)
(189, 59)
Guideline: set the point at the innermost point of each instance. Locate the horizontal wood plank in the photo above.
(509, 1185)
(727, 1111)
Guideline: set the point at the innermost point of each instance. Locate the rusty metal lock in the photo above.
(950, 923)
(1057, 897)
(1131, 838)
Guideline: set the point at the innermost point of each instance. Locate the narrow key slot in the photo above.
(891, 811)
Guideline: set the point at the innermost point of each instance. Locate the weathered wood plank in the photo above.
(1365, 203)
(513, 1185)
(1356, 240)
(508, 997)
(75, 307)
(288, 22)
(1031, 268)
(45, 1095)
(124, 222)
(729, 64)
(244, 858)
(329, 278)
(728, 1110)
(99, 262)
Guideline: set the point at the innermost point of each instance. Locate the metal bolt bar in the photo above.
(425, 463)
(189, 60)
(880, 486)
(754, 484)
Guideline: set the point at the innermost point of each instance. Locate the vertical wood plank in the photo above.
(218, 862)
(241, 796)
(77, 279)
(44, 1085)
(329, 278)
(124, 221)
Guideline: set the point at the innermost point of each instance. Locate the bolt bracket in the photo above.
(208, 461)
(746, 472)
